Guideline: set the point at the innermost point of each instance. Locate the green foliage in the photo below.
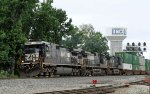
(74, 40)
(11, 31)
(27, 17)
(87, 29)
(4, 74)
(96, 43)
(50, 24)
(23, 19)
(87, 38)
(93, 41)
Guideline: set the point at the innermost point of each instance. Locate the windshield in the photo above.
(31, 50)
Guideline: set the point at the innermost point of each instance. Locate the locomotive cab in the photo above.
(33, 53)
(32, 59)
(30, 55)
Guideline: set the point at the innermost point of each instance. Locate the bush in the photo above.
(6, 74)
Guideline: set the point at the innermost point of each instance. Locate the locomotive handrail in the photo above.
(40, 61)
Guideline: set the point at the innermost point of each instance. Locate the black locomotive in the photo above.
(47, 59)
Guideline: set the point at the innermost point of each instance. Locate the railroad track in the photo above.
(142, 82)
(91, 90)
(69, 85)
(99, 90)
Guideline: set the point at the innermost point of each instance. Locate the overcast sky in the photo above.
(132, 14)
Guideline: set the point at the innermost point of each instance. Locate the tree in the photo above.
(78, 36)
(50, 24)
(23, 19)
(87, 29)
(96, 43)
(27, 17)
(12, 36)
(74, 40)
(93, 41)
(87, 38)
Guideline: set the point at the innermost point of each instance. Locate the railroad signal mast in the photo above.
(136, 48)
(116, 36)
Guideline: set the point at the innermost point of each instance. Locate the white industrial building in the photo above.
(116, 37)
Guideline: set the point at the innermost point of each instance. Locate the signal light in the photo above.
(139, 44)
(140, 47)
(144, 44)
(144, 49)
(133, 44)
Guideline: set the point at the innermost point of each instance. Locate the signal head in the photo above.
(144, 44)
(139, 44)
(133, 44)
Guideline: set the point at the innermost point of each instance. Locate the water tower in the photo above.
(116, 37)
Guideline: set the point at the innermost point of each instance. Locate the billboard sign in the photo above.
(118, 31)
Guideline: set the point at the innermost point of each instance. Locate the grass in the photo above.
(6, 74)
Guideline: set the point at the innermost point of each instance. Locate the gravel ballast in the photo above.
(30, 86)
(133, 89)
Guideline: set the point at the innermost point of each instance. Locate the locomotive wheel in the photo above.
(104, 72)
(51, 73)
(120, 72)
(73, 72)
(47, 72)
(27, 72)
(78, 72)
(82, 72)
(92, 74)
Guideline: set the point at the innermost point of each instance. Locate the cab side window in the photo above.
(47, 48)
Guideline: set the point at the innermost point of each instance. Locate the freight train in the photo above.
(42, 58)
